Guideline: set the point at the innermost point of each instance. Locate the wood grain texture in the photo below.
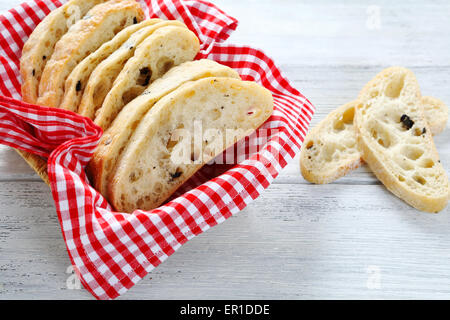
(298, 240)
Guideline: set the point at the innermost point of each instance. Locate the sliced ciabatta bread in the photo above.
(39, 47)
(396, 142)
(100, 24)
(166, 47)
(159, 157)
(102, 78)
(115, 138)
(77, 80)
(330, 151)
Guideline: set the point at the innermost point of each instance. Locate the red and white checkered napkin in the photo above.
(112, 251)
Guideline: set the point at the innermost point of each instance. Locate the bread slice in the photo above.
(165, 48)
(101, 79)
(330, 150)
(436, 114)
(395, 140)
(114, 140)
(99, 25)
(41, 43)
(158, 159)
(77, 80)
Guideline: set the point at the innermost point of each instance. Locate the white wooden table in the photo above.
(348, 239)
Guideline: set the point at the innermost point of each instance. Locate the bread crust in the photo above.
(395, 140)
(40, 45)
(118, 134)
(99, 25)
(77, 80)
(144, 177)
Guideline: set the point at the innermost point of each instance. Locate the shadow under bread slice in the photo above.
(159, 157)
(330, 150)
(99, 25)
(102, 78)
(166, 47)
(77, 80)
(41, 43)
(396, 142)
(115, 138)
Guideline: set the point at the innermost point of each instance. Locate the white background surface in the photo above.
(348, 239)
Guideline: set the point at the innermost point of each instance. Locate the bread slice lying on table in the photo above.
(396, 142)
(102, 78)
(166, 47)
(39, 47)
(159, 158)
(77, 80)
(99, 25)
(330, 150)
(115, 138)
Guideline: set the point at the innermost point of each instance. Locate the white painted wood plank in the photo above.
(335, 32)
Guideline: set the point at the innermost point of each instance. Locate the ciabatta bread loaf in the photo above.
(99, 25)
(115, 138)
(39, 47)
(163, 49)
(159, 157)
(77, 80)
(396, 142)
(102, 78)
(330, 151)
